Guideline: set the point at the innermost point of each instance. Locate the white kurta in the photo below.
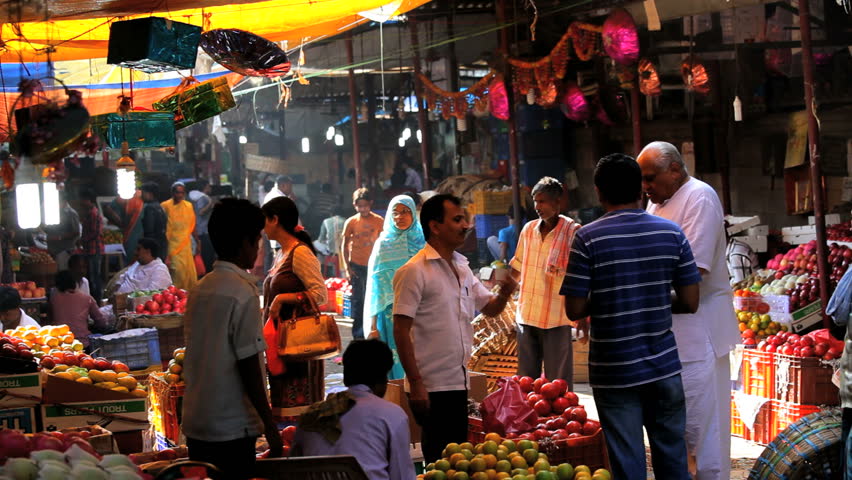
(152, 276)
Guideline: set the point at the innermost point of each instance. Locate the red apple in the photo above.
(533, 398)
(541, 433)
(157, 297)
(562, 384)
(578, 414)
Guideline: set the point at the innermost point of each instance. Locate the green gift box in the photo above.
(198, 102)
(138, 129)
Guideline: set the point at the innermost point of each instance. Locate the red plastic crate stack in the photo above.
(804, 381)
(785, 413)
(759, 373)
(762, 431)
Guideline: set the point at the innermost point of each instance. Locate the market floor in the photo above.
(743, 452)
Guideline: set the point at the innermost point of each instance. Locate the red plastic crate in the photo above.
(804, 381)
(785, 413)
(167, 403)
(758, 373)
(737, 426)
(762, 431)
(331, 301)
(475, 432)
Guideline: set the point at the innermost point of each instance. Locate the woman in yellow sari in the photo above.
(180, 225)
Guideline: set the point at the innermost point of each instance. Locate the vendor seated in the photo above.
(148, 272)
(70, 306)
(11, 314)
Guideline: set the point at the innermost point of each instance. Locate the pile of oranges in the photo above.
(44, 340)
(174, 372)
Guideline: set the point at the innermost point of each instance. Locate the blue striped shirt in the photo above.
(626, 263)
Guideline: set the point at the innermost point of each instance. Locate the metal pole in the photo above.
(353, 112)
(817, 184)
(422, 118)
(514, 168)
(636, 114)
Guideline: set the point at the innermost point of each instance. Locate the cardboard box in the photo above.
(758, 243)
(27, 384)
(758, 230)
(117, 415)
(60, 390)
(806, 317)
(23, 419)
(739, 224)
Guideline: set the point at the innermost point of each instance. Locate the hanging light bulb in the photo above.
(338, 140)
(125, 172)
(419, 136)
(738, 109)
(531, 96)
(329, 134)
(401, 142)
(243, 139)
(51, 203)
(28, 205)
(406, 134)
(306, 145)
(461, 124)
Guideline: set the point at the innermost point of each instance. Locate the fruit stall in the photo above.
(158, 309)
(786, 361)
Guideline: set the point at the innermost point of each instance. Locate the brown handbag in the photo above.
(309, 337)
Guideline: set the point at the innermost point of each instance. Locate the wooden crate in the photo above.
(581, 362)
(496, 367)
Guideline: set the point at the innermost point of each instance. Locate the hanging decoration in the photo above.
(539, 75)
(245, 53)
(192, 102)
(649, 80)
(695, 76)
(574, 104)
(620, 39)
(548, 96)
(586, 39)
(153, 44)
(498, 101)
(455, 104)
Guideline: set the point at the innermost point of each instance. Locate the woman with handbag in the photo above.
(292, 289)
(401, 239)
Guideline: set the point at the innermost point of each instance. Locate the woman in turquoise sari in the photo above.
(401, 238)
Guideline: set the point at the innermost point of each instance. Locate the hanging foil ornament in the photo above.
(548, 96)
(695, 76)
(498, 101)
(620, 39)
(574, 104)
(245, 53)
(649, 80)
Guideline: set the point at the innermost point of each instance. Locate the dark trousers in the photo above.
(551, 346)
(93, 263)
(846, 426)
(661, 407)
(358, 279)
(445, 422)
(208, 255)
(235, 458)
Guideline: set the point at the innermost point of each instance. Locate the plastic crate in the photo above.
(347, 305)
(338, 300)
(169, 328)
(475, 433)
(758, 373)
(785, 414)
(747, 304)
(586, 450)
(166, 403)
(762, 431)
(488, 225)
(804, 381)
(137, 348)
(737, 426)
(492, 202)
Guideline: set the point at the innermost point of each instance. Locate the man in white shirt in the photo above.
(371, 429)
(226, 406)
(435, 299)
(11, 314)
(704, 339)
(148, 272)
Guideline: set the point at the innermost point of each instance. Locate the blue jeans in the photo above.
(658, 406)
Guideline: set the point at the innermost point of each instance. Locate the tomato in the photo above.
(157, 297)
(821, 349)
(140, 308)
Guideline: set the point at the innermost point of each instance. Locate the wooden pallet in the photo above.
(496, 367)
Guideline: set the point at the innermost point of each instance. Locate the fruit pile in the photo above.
(55, 455)
(568, 418)
(170, 300)
(174, 372)
(11, 347)
(44, 340)
(840, 232)
(111, 237)
(337, 284)
(801, 262)
(36, 256)
(755, 326)
(503, 459)
(99, 372)
(804, 346)
(27, 289)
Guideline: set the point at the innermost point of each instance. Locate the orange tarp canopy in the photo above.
(85, 33)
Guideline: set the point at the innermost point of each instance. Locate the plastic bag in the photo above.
(245, 53)
(274, 363)
(507, 411)
(823, 335)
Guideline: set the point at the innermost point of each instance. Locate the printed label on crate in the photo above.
(28, 384)
(116, 416)
(21, 419)
(807, 316)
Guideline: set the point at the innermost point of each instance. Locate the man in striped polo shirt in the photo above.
(621, 273)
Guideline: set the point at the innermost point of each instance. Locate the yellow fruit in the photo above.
(172, 379)
(52, 342)
(67, 339)
(519, 462)
(107, 385)
(456, 458)
(65, 375)
(493, 437)
(120, 389)
(466, 446)
(75, 374)
(503, 466)
(86, 380)
(139, 393)
(541, 464)
(477, 465)
(490, 461)
(451, 449)
(179, 357)
(123, 374)
(467, 454)
(501, 476)
(109, 376)
(127, 382)
(479, 476)
(489, 447)
(462, 466)
(582, 469)
(175, 368)
(77, 346)
(530, 455)
(97, 376)
(603, 472)
(442, 465)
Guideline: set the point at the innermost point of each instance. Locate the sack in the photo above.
(310, 337)
(507, 411)
(274, 363)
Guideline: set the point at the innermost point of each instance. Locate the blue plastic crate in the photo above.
(347, 306)
(488, 225)
(137, 348)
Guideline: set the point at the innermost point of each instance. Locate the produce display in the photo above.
(99, 372)
(27, 289)
(504, 459)
(36, 256)
(560, 414)
(840, 232)
(110, 237)
(160, 302)
(803, 346)
(174, 372)
(43, 340)
(54, 455)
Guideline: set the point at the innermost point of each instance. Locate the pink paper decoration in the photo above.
(574, 104)
(498, 102)
(620, 40)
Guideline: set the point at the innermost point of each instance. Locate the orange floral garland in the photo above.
(455, 104)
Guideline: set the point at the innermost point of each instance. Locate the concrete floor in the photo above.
(743, 452)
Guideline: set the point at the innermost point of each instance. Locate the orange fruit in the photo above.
(493, 437)
(171, 378)
(175, 368)
(518, 462)
(490, 460)
(139, 393)
(477, 465)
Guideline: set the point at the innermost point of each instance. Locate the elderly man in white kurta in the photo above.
(704, 339)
